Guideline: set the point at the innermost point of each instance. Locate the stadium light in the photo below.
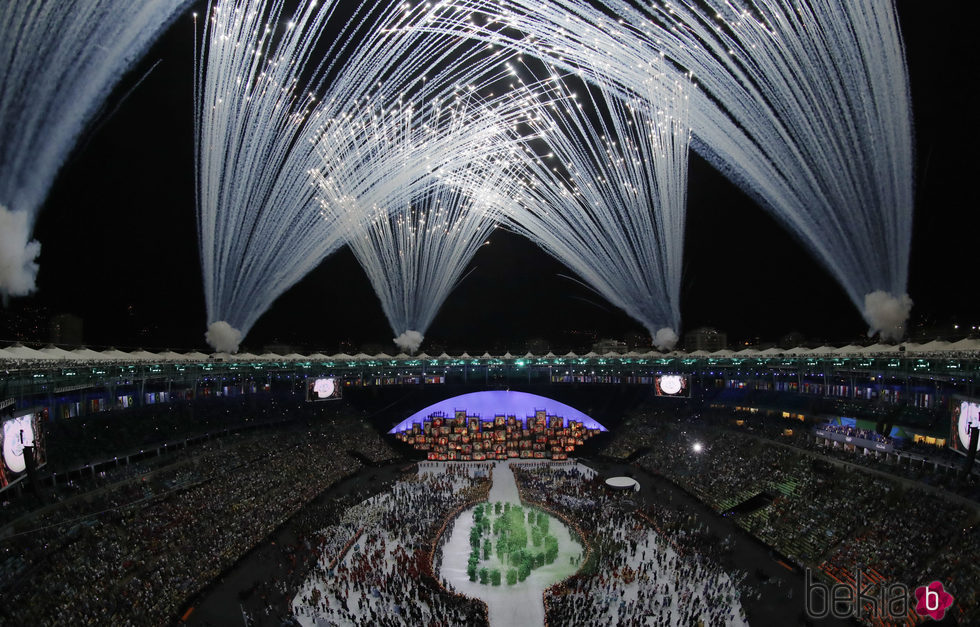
(697, 447)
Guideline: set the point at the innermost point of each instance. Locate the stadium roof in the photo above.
(20, 355)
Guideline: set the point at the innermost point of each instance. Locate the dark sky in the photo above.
(119, 237)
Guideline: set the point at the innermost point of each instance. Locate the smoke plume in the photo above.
(223, 337)
(887, 314)
(18, 254)
(665, 339)
(409, 341)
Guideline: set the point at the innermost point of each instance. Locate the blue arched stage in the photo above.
(493, 403)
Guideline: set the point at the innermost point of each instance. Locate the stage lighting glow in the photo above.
(491, 403)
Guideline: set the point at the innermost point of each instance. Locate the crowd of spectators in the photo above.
(926, 463)
(817, 513)
(917, 461)
(109, 447)
(932, 451)
(92, 438)
(133, 552)
(372, 446)
(902, 540)
(855, 432)
(639, 428)
(385, 578)
(635, 574)
(133, 543)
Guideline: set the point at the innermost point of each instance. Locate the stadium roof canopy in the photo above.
(20, 355)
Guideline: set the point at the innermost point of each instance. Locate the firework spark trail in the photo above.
(432, 178)
(821, 91)
(805, 106)
(59, 60)
(415, 256)
(609, 200)
(256, 233)
(261, 133)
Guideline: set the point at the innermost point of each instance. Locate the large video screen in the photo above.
(324, 389)
(672, 385)
(20, 431)
(471, 438)
(966, 414)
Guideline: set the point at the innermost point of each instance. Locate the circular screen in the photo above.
(969, 417)
(324, 388)
(671, 384)
(17, 434)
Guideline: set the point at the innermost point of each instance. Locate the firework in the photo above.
(59, 60)
(804, 105)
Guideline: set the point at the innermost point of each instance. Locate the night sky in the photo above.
(119, 243)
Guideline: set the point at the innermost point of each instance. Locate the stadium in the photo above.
(226, 468)
(425, 266)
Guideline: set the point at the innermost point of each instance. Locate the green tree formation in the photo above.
(502, 531)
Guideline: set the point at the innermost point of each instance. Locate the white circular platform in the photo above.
(622, 483)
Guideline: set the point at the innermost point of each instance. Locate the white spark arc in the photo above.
(256, 231)
(59, 60)
(261, 135)
(615, 211)
(432, 177)
(806, 106)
